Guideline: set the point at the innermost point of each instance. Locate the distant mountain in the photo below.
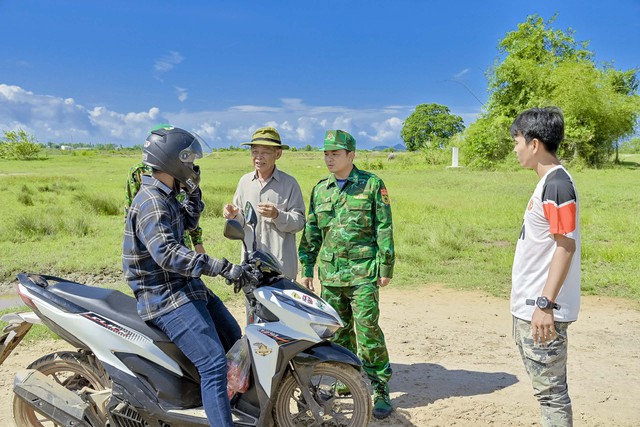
(397, 147)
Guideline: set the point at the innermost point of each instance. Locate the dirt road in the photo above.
(455, 364)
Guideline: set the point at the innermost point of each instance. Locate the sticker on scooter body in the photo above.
(261, 349)
(281, 339)
(311, 301)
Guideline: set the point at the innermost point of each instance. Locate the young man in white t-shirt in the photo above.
(545, 293)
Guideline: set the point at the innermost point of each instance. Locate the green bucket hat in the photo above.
(339, 140)
(266, 136)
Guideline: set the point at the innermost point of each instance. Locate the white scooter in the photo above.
(126, 372)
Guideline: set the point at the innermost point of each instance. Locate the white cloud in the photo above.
(385, 131)
(182, 93)
(47, 117)
(56, 119)
(166, 63)
(61, 120)
(461, 74)
(236, 136)
(209, 131)
(128, 125)
(255, 109)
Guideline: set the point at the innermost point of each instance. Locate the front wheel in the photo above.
(73, 371)
(329, 408)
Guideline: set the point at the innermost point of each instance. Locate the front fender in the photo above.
(326, 352)
(303, 364)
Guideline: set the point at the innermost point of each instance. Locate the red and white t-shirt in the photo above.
(553, 209)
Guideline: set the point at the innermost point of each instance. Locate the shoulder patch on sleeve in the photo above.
(385, 196)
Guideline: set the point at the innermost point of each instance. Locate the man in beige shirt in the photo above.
(277, 198)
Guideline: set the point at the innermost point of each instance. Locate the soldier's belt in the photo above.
(362, 252)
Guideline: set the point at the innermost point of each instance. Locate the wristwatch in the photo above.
(544, 303)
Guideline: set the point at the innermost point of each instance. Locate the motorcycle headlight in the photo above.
(324, 331)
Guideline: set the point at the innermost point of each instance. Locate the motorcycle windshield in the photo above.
(268, 263)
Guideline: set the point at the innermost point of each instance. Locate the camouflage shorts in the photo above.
(546, 365)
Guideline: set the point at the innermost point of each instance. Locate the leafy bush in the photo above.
(19, 145)
(540, 66)
(436, 156)
(488, 141)
(6, 150)
(372, 165)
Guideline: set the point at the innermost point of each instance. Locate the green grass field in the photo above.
(457, 227)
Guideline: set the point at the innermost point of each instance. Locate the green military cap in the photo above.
(339, 140)
(267, 136)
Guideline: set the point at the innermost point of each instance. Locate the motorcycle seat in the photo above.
(109, 303)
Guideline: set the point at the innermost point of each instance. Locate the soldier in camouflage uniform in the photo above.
(192, 239)
(349, 233)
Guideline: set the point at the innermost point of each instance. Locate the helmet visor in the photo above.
(197, 150)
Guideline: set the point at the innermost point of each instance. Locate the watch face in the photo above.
(543, 302)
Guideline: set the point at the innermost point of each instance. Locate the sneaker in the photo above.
(342, 389)
(381, 402)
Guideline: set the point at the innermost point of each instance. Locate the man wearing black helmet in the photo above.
(165, 275)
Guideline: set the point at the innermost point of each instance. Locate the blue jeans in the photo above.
(202, 330)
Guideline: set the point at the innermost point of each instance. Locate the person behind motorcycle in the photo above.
(165, 275)
(349, 233)
(277, 197)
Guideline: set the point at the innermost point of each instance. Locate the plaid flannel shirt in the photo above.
(161, 271)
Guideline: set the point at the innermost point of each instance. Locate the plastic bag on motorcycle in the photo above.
(238, 368)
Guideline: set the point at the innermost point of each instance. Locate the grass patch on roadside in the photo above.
(452, 226)
(100, 204)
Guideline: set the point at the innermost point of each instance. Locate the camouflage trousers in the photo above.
(546, 365)
(359, 310)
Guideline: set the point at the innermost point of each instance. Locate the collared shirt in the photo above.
(349, 231)
(134, 181)
(161, 271)
(277, 236)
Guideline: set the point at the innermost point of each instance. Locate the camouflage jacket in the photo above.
(134, 181)
(349, 230)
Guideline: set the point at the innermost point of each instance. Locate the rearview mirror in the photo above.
(233, 230)
(250, 215)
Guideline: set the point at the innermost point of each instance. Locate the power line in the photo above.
(467, 88)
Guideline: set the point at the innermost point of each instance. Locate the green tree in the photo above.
(539, 66)
(429, 126)
(19, 145)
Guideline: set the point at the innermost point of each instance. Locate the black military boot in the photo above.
(381, 401)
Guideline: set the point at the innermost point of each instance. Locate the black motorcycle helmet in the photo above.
(173, 150)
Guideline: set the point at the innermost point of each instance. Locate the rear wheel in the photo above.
(328, 407)
(71, 370)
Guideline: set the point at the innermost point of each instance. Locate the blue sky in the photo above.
(107, 71)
